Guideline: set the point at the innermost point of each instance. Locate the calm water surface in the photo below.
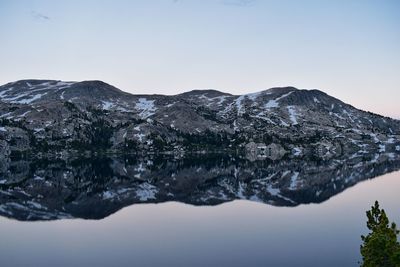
(237, 233)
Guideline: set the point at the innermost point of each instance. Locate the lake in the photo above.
(296, 223)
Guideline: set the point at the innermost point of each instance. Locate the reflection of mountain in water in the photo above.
(93, 188)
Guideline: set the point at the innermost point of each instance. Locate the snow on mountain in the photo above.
(94, 113)
(145, 107)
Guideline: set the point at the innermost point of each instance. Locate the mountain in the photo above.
(49, 118)
(87, 149)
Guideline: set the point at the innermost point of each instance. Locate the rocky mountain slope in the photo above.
(55, 118)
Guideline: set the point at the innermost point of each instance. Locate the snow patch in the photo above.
(36, 205)
(262, 116)
(276, 192)
(374, 160)
(293, 181)
(107, 105)
(284, 123)
(3, 93)
(28, 100)
(273, 191)
(122, 109)
(140, 136)
(24, 114)
(376, 140)
(140, 168)
(146, 108)
(108, 195)
(241, 191)
(38, 178)
(170, 105)
(239, 105)
(292, 114)
(221, 99)
(338, 116)
(274, 102)
(146, 191)
(297, 151)
(391, 140)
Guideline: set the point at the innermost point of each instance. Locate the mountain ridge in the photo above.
(50, 115)
(93, 84)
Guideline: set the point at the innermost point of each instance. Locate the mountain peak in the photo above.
(283, 90)
(208, 92)
(97, 86)
(33, 83)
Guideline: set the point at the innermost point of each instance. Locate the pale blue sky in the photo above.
(349, 49)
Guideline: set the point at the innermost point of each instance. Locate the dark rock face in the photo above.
(93, 188)
(44, 116)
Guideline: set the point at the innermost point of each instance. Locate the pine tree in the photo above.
(380, 247)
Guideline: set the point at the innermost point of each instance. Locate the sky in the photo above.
(349, 49)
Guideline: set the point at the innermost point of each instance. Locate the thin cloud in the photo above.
(39, 16)
(240, 3)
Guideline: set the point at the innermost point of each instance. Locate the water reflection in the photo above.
(95, 187)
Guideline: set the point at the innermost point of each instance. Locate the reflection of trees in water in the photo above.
(95, 187)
